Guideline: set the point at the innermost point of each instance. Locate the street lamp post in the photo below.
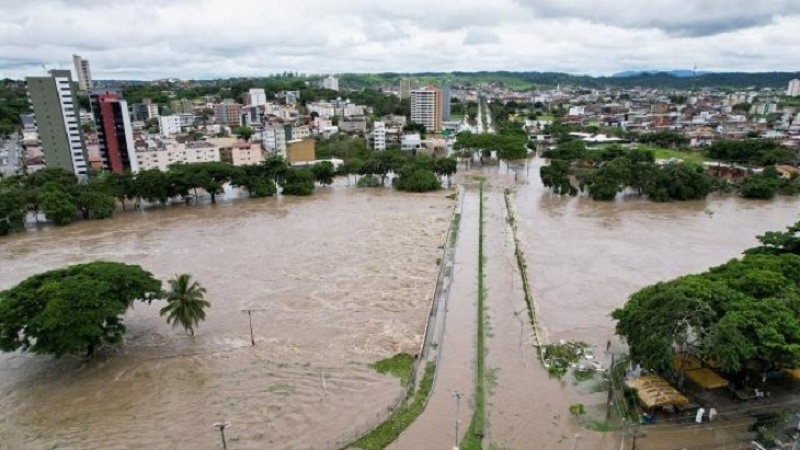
(222, 426)
(457, 396)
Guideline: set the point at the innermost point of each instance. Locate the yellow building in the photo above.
(300, 151)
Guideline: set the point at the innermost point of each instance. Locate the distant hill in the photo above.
(530, 80)
(681, 73)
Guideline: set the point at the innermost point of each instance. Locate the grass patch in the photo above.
(559, 357)
(400, 365)
(473, 440)
(401, 418)
(603, 427)
(687, 156)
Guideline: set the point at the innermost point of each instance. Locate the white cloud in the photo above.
(214, 38)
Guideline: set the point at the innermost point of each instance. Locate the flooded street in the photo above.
(339, 280)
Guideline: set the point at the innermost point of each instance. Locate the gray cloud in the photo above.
(479, 36)
(220, 38)
(676, 17)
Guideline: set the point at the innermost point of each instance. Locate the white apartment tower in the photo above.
(169, 125)
(794, 88)
(426, 108)
(257, 97)
(330, 82)
(83, 72)
(379, 136)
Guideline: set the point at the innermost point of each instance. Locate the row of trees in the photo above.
(78, 308)
(62, 198)
(605, 173)
(741, 316)
(509, 146)
(415, 173)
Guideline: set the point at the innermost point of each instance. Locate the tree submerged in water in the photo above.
(185, 303)
(74, 309)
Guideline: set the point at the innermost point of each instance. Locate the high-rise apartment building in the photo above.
(446, 95)
(114, 131)
(55, 107)
(405, 88)
(256, 97)
(83, 72)
(330, 82)
(378, 137)
(426, 108)
(794, 88)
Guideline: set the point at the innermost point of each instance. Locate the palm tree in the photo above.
(185, 303)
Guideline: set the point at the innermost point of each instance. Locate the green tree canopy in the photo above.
(74, 309)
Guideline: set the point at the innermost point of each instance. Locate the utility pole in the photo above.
(577, 436)
(250, 319)
(457, 396)
(222, 426)
(610, 388)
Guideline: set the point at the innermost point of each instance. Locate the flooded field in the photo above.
(338, 280)
(586, 257)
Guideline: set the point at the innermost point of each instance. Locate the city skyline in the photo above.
(159, 39)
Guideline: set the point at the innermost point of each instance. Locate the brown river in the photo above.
(338, 281)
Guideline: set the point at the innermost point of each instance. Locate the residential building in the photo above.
(140, 112)
(228, 113)
(411, 141)
(182, 106)
(169, 125)
(28, 122)
(300, 151)
(55, 105)
(256, 97)
(353, 124)
(274, 139)
(187, 120)
(378, 136)
(446, 96)
(405, 88)
(330, 82)
(794, 88)
(323, 109)
(152, 111)
(394, 120)
(242, 153)
(168, 152)
(114, 131)
(426, 108)
(253, 116)
(83, 72)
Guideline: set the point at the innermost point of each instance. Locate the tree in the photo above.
(73, 309)
(94, 200)
(185, 303)
(298, 182)
(759, 186)
(58, 206)
(445, 167)
(778, 242)
(244, 132)
(556, 177)
(323, 172)
(152, 185)
(12, 210)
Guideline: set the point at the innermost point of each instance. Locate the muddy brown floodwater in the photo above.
(340, 280)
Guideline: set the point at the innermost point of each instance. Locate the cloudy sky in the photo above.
(147, 39)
